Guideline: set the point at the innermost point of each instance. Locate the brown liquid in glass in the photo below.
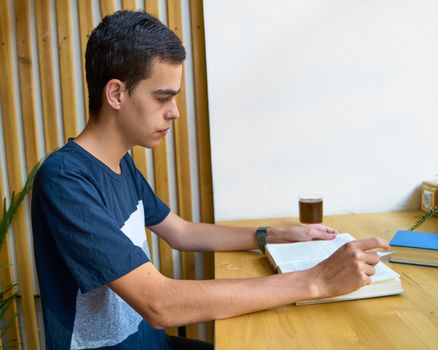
(310, 211)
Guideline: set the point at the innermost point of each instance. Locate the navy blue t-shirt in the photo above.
(88, 225)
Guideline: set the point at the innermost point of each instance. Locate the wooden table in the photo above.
(408, 321)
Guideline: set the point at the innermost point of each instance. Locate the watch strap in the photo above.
(262, 237)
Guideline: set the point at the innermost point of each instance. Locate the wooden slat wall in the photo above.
(129, 4)
(66, 73)
(66, 109)
(201, 108)
(13, 163)
(47, 76)
(107, 7)
(7, 279)
(27, 85)
(29, 124)
(85, 11)
(202, 136)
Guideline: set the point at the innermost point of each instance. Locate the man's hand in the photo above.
(347, 269)
(287, 234)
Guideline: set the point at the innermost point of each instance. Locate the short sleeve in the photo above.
(85, 232)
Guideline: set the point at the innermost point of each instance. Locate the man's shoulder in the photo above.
(62, 162)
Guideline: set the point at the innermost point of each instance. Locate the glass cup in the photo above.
(310, 209)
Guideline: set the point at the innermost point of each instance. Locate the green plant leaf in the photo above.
(15, 202)
(8, 294)
(426, 216)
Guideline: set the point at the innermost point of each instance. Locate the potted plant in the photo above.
(8, 293)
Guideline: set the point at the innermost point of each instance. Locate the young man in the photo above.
(90, 205)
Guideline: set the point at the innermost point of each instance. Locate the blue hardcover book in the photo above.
(417, 248)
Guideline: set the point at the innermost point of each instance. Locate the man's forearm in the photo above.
(189, 236)
(218, 299)
(210, 237)
(184, 302)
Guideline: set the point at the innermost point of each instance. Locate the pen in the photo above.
(381, 254)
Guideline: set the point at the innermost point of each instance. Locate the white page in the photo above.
(305, 251)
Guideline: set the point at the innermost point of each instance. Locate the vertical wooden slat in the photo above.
(150, 245)
(129, 4)
(203, 132)
(182, 156)
(151, 7)
(107, 7)
(27, 90)
(202, 121)
(27, 87)
(139, 156)
(66, 71)
(181, 133)
(45, 55)
(7, 279)
(85, 11)
(15, 180)
(201, 109)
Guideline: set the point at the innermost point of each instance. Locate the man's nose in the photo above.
(173, 112)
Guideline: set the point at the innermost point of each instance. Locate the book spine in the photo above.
(411, 263)
(271, 260)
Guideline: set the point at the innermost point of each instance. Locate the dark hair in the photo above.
(123, 46)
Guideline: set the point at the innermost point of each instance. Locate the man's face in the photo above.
(147, 113)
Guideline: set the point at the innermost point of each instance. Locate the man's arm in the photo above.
(188, 236)
(166, 302)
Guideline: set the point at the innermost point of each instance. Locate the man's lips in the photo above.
(164, 131)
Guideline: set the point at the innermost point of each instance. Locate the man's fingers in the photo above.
(371, 258)
(327, 229)
(367, 280)
(369, 270)
(322, 232)
(322, 235)
(372, 243)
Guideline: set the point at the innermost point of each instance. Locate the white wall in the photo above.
(334, 97)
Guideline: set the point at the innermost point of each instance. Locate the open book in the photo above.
(299, 256)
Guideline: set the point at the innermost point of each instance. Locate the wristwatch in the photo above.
(262, 237)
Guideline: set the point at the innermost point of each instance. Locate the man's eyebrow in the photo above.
(167, 92)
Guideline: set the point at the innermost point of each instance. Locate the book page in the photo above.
(307, 251)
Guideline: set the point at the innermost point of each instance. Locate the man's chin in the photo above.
(150, 144)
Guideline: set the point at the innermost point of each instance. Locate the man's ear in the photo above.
(114, 92)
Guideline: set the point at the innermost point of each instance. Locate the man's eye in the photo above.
(163, 99)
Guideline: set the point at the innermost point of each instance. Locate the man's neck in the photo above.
(103, 141)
